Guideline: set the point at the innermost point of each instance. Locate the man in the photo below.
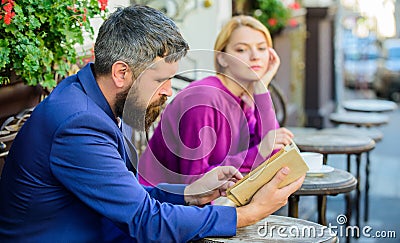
(66, 177)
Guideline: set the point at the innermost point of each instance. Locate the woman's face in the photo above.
(248, 55)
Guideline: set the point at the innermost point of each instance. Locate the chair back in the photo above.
(8, 131)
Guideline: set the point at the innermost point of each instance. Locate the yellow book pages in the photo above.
(242, 192)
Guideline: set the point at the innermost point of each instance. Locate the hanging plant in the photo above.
(275, 14)
(38, 37)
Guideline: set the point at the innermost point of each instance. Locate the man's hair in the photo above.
(137, 35)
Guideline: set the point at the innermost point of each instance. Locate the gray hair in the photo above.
(137, 35)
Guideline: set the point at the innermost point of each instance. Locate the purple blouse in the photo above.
(205, 126)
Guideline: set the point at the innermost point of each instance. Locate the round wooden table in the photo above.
(369, 105)
(359, 119)
(280, 229)
(326, 143)
(375, 135)
(301, 130)
(331, 183)
(349, 144)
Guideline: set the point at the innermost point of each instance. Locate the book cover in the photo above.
(242, 192)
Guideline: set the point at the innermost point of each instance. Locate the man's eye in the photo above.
(162, 80)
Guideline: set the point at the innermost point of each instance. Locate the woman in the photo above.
(227, 119)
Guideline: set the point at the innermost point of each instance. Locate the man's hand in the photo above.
(212, 185)
(268, 199)
(275, 139)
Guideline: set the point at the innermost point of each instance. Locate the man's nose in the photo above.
(166, 88)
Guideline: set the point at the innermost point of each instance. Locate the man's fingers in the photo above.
(228, 172)
(227, 185)
(280, 176)
(224, 187)
(294, 186)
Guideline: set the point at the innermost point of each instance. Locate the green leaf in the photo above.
(39, 42)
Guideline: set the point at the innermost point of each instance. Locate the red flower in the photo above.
(103, 4)
(8, 6)
(295, 5)
(7, 19)
(84, 14)
(293, 22)
(272, 22)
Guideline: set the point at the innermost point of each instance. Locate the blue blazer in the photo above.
(66, 180)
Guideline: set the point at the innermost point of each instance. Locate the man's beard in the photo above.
(134, 113)
(153, 111)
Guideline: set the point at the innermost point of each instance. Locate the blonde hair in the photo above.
(226, 32)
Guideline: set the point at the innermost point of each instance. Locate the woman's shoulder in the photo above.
(206, 92)
(208, 80)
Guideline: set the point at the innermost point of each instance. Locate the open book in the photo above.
(242, 192)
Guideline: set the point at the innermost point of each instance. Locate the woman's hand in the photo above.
(274, 63)
(275, 139)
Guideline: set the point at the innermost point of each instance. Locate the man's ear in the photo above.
(221, 60)
(120, 73)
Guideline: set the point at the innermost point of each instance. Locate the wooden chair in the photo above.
(6, 140)
(279, 103)
(8, 132)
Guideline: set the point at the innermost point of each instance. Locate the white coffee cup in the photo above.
(313, 160)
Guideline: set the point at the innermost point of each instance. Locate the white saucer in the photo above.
(323, 170)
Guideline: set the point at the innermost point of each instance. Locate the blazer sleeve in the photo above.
(86, 160)
(164, 192)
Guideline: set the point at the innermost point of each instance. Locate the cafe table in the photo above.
(348, 144)
(326, 183)
(359, 119)
(278, 229)
(369, 105)
(376, 135)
